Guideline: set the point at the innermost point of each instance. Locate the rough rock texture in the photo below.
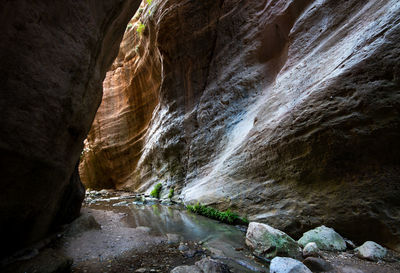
(371, 251)
(325, 238)
(311, 250)
(53, 59)
(116, 139)
(286, 111)
(268, 242)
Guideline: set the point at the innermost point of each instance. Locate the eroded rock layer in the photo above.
(54, 57)
(286, 111)
(116, 139)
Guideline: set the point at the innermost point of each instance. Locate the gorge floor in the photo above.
(119, 232)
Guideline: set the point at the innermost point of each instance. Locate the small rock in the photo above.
(208, 265)
(104, 192)
(141, 270)
(183, 247)
(190, 253)
(268, 242)
(121, 204)
(325, 238)
(173, 238)
(371, 251)
(317, 264)
(349, 244)
(287, 265)
(311, 250)
(186, 269)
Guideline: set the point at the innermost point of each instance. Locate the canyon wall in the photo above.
(285, 111)
(54, 57)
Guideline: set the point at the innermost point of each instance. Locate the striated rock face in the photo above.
(54, 57)
(116, 139)
(286, 111)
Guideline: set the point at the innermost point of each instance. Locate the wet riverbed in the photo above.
(223, 242)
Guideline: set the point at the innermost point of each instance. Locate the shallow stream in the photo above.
(225, 242)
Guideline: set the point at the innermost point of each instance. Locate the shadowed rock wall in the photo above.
(53, 59)
(286, 111)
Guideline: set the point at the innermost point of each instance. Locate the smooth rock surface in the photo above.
(317, 264)
(287, 265)
(311, 250)
(268, 242)
(272, 108)
(371, 251)
(325, 238)
(54, 57)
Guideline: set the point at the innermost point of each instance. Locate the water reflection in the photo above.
(224, 241)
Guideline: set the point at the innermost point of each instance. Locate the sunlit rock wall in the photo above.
(114, 144)
(53, 59)
(286, 111)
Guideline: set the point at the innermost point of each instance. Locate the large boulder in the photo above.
(268, 242)
(53, 59)
(325, 238)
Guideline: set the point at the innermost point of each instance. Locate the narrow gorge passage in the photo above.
(125, 123)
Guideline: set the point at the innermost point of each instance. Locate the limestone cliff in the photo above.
(53, 59)
(287, 111)
(116, 139)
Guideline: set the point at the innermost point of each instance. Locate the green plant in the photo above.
(156, 191)
(223, 216)
(138, 13)
(171, 193)
(140, 28)
(149, 2)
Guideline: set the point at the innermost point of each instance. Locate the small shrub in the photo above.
(223, 216)
(171, 193)
(140, 28)
(156, 191)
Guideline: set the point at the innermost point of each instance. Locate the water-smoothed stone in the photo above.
(54, 57)
(317, 264)
(208, 265)
(371, 251)
(287, 265)
(311, 250)
(268, 242)
(325, 238)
